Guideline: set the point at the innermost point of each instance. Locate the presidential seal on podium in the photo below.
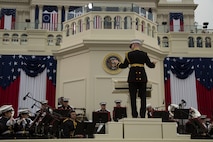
(109, 64)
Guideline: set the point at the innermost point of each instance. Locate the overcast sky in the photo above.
(204, 12)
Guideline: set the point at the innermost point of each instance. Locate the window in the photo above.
(153, 31)
(73, 26)
(165, 42)
(58, 40)
(50, 39)
(142, 26)
(80, 26)
(87, 21)
(137, 24)
(107, 22)
(208, 42)
(67, 28)
(199, 42)
(23, 39)
(148, 29)
(191, 42)
(15, 38)
(6, 38)
(128, 22)
(159, 41)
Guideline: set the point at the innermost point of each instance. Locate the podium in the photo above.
(142, 129)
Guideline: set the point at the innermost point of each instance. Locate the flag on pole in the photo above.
(176, 22)
(50, 20)
(8, 18)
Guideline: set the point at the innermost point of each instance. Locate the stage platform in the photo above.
(131, 130)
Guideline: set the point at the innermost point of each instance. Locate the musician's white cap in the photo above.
(103, 103)
(23, 111)
(148, 105)
(66, 99)
(6, 108)
(203, 116)
(44, 102)
(117, 101)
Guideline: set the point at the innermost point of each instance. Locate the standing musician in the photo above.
(7, 122)
(65, 104)
(70, 125)
(104, 109)
(22, 125)
(42, 122)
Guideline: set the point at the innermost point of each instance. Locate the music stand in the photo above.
(100, 117)
(119, 113)
(63, 113)
(89, 128)
(161, 114)
(181, 114)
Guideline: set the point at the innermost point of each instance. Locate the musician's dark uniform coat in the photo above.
(137, 78)
(69, 126)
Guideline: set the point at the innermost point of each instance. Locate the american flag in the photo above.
(176, 22)
(18, 72)
(7, 18)
(50, 20)
(190, 79)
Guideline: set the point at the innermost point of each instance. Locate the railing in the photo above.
(186, 28)
(31, 25)
(22, 37)
(160, 28)
(190, 41)
(110, 21)
(195, 36)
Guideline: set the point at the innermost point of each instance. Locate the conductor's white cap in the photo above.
(136, 41)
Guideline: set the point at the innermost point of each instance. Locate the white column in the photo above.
(32, 16)
(40, 16)
(59, 18)
(66, 12)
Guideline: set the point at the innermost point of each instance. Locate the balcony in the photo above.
(105, 27)
(41, 42)
(109, 26)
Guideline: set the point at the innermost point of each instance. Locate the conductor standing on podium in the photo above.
(137, 78)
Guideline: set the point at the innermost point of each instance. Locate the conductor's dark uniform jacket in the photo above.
(137, 59)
